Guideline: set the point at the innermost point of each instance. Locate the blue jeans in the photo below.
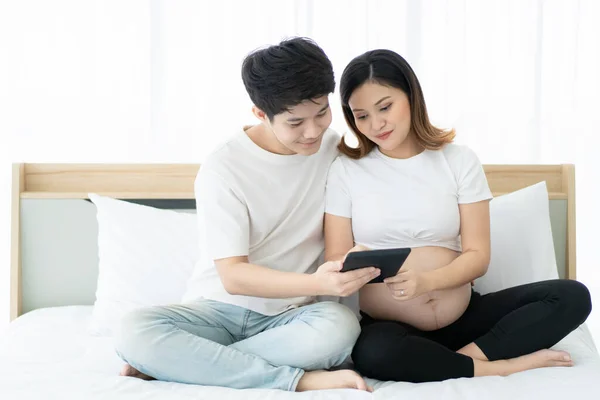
(212, 343)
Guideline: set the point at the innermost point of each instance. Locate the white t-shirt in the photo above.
(406, 202)
(266, 206)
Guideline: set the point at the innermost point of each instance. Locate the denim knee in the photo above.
(336, 329)
(345, 323)
(128, 339)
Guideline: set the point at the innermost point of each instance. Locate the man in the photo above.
(249, 318)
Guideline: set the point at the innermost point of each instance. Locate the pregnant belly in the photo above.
(430, 311)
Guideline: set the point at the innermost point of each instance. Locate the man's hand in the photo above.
(408, 284)
(332, 282)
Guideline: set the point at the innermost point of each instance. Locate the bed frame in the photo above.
(43, 192)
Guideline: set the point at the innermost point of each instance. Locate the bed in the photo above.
(48, 350)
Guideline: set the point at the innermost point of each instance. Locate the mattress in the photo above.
(49, 354)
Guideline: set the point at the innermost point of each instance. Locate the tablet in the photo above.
(388, 261)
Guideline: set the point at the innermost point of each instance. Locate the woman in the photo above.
(408, 185)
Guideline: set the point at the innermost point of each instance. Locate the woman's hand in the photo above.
(408, 284)
(358, 247)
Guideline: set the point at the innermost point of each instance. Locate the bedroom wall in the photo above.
(4, 238)
(157, 81)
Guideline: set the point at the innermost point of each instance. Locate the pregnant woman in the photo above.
(407, 185)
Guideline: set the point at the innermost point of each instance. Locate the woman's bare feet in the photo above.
(128, 370)
(345, 378)
(473, 351)
(538, 359)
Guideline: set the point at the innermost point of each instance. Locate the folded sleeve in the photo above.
(222, 216)
(472, 182)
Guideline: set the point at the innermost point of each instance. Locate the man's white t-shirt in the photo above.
(269, 207)
(406, 202)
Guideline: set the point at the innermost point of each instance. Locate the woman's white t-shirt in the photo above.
(406, 202)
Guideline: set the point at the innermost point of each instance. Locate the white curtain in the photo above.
(159, 81)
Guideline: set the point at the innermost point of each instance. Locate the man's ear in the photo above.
(260, 114)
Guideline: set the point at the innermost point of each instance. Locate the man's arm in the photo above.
(239, 277)
(223, 218)
(242, 278)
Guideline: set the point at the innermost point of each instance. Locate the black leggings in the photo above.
(505, 324)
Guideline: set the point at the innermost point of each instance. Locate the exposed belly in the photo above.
(427, 312)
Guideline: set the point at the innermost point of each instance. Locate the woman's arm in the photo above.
(475, 257)
(471, 264)
(338, 237)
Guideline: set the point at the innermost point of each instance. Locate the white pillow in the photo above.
(146, 256)
(521, 240)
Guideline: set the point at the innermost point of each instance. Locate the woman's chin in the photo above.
(388, 146)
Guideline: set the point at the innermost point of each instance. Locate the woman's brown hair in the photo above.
(390, 69)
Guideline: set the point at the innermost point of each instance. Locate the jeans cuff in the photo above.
(295, 379)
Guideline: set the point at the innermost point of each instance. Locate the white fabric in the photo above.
(119, 82)
(48, 354)
(146, 256)
(406, 202)
(521, 238)
(262, 205)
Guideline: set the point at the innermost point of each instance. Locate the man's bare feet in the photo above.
(538, 359)
(345, 378)
(128, 370)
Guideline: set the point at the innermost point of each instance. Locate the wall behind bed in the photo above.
(82, 81)
(5, 176)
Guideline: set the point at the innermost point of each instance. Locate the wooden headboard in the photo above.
(176, 181)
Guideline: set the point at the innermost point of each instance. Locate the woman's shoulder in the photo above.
(457, 153)
(348, 167)
(455, 149)
(353, 166)
(338, 166)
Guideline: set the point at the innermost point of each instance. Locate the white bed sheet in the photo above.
(49, 354)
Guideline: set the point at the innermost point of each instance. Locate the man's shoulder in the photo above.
(331, 138)
(217, 164)
(227, 150)
(329, 145)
